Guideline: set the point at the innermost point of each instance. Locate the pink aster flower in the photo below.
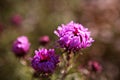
(21, 46)
(73, 36)
(45, 60)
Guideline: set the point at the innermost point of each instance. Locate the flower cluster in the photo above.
(73, 36)
(45, 61)
(21, 46)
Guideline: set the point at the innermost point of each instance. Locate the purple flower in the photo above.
(21, 46)
(45, 61)
(16, 19)
(73, 36)
(95, 66)
(44, 40)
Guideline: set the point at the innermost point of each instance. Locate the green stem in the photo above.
(67, 64)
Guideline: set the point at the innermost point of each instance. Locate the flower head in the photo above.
(44, 61)
(73, 36)
(21, 46)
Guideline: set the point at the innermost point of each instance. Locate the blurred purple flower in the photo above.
(95, 66)
(44, 40)
(21, 46)
(73, 36)
(16, 19)
(45, 61)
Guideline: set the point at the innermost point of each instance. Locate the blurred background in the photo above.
(35, 18)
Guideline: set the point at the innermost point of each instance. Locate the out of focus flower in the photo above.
(21, 46)
(73, 36)
(16, 19)
(45, 61)
(44, 40)
(1, 27)
(94, 66)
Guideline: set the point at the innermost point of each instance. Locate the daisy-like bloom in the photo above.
(73, 36)
(21, 46)
(45, 60)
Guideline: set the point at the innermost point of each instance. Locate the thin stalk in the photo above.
(67, 64)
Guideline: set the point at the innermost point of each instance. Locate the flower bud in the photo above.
(95, 66)
(44, 40)
(16, 19)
